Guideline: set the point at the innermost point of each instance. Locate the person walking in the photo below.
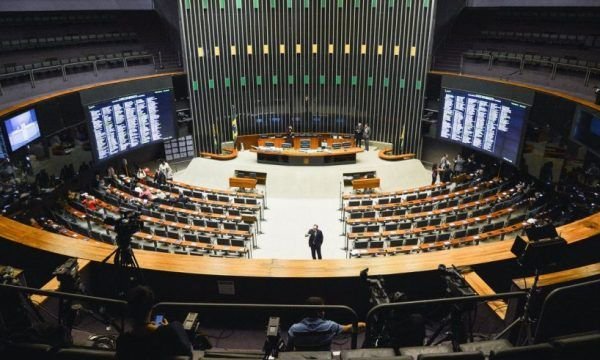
(366, 135)
(315, 240)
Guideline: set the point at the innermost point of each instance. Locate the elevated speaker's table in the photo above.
(307, 157)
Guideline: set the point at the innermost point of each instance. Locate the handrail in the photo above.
(121, 304)
(32, 101)
(63, 67)
(545, 90)
(454, 300)
(288, 307)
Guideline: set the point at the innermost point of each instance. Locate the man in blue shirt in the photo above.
(314, 332)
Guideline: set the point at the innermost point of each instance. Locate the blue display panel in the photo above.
(482, 122)
(586, 130)
(22, 129)
(132, 121)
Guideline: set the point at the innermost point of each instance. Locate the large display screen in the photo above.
(482, 122)
(128, 122)
(22, 129)
(586, 130)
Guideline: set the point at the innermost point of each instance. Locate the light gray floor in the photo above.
(300, 196)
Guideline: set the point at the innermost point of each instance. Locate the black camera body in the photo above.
(126, 226)
(456, 285)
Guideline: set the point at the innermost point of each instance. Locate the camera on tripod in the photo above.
(455, 283)
(128, 224)
(377, 293)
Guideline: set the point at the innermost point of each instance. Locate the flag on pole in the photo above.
(234, 127)
(214, 128)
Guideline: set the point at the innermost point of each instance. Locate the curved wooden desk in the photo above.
(228, 154)
(16, 232)
(279, 138)
(311, 157)
(384, 154)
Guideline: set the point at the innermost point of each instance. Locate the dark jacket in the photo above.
(316, 238)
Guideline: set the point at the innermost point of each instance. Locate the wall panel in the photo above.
(317, 65)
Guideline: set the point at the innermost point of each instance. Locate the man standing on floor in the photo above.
(366, 135)
(358, 134)
(315, 240)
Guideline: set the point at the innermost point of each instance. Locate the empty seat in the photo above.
(390, 227)
(585, 346)
(161, 233)
(243, 227)
(411, 241)
(429, 239)
(223, 242)
(422, 223)
(476, 355)
(229, 226)
(358, 229)
(396, 242)
(238, 242)
(460, 234)
(190, 237)
(404, 225)
(305, 355)
(367, 353)
(361, 244)
(531, 352)
(435, 222)
(443, 237)
(204, 239)
(376, 244)
(472, 231)
(212, 224)
(373, 228)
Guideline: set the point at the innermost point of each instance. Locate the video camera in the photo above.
(128, 224)
(378, 294)
(455, 282)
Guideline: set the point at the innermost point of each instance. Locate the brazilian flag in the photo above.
(234, 128)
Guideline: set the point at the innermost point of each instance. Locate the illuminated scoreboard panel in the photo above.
(490, 124)
(125, 123)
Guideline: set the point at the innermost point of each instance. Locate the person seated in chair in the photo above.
(147, 339)
(314, 332)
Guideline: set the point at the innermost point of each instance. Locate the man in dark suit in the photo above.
(358, 134)
(315, 240)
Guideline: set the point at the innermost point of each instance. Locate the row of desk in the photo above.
(438, 245)
(159, 239)
(436, 212)
(13, 231)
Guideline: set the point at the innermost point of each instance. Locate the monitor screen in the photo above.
(131, 121)
(486, 123)
(22, 129)
(586, 130)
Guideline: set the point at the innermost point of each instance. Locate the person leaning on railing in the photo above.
(314, 332)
